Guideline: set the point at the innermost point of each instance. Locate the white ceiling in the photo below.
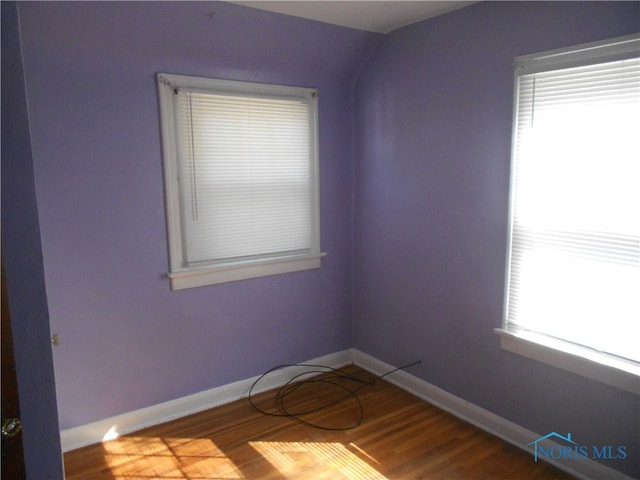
(380, 16)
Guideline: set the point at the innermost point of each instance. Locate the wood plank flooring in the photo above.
(400, 437)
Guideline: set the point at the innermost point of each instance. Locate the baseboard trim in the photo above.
(110, 428)
(512, 433)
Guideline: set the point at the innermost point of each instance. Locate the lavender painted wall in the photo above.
(126, 341)
(433, 130)
(433, 120)
(22, 260)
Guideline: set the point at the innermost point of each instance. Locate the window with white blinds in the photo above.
(242, 178)
(574, 256)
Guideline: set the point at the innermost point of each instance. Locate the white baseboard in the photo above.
(510, 432)
(129, 422)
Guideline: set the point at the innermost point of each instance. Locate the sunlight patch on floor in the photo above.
(146, 458)
(330, 459)
(142, 458)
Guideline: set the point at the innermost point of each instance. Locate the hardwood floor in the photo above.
(400, 437)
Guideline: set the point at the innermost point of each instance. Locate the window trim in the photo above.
(587, 362)
(234, 271)
(583, 361)
(183, 277)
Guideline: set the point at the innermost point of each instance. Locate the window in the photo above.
(241, 179)
(573, 282)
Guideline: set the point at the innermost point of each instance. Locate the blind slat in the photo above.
(247, 178)
(574, 261)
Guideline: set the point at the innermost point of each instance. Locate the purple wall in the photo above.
(127, 341)
(22, 259)
(433, 131)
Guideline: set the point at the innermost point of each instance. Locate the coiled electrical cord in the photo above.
(322, 375)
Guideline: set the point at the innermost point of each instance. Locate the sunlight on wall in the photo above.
(111, 434)
(289, 457)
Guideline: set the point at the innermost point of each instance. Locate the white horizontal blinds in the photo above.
(246, 184)
(575, 246)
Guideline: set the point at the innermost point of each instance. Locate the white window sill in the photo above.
(589, 363)
(231, 272)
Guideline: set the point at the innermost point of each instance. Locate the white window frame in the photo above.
(184, 276)
(608, 369)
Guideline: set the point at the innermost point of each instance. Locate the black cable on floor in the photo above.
(330, 376)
